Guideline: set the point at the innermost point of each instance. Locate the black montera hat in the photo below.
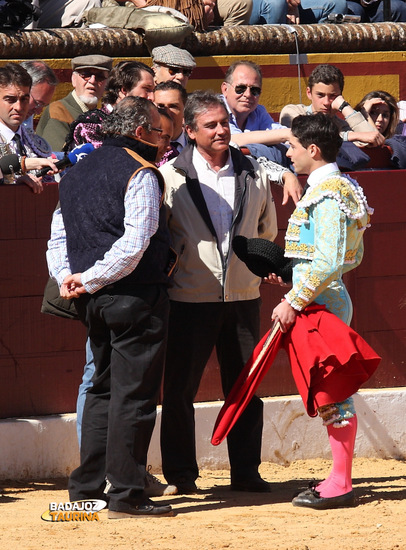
(263, 257)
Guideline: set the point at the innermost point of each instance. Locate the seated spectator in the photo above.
(132, 78)
(200, 13)
(324, 90)
(309, 12)
(228, 13)
(250, 123)
(61, 13)
(371, 11)
(294, 11)
(193, 9)
(44, 83)
(381, 108)
(171, 97)
(89, 78)
(172, 63)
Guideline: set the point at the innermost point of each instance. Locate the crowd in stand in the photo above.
(203, 14)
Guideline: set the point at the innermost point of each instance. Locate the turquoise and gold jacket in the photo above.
(325, 240)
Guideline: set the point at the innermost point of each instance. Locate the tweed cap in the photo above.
(173, 56)
(95, 61)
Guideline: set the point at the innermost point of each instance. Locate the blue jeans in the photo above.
(88, 373)
(374, 12)
(268, 12)
(317, 11)
(311, 11)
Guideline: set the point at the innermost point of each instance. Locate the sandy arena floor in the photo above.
(217, 518)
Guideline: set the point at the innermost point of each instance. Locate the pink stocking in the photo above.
(342, 442)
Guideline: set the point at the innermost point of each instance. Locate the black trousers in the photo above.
(194, 330)
(127, 329)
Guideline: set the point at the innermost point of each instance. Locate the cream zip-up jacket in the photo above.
(202, 275)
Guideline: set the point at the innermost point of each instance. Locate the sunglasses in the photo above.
(87, 75)
(176, 70)
(241, 89)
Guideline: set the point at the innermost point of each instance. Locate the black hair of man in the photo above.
(124, 76)
(12, 74)
(172, 85)
(318, 129)
(326, 74)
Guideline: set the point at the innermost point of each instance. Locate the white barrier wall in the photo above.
(46, 447)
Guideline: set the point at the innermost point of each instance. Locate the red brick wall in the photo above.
(42, 357)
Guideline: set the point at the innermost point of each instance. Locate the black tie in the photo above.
(20, 147)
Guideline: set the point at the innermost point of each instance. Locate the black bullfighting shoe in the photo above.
(312, 499)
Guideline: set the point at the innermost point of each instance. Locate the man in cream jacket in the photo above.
(213, 193)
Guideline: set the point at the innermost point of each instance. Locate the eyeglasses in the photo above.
(176, 70)
(159, 130)
(38, 104)
(87, 75)
(241, 89)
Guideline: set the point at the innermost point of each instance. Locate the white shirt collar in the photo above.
(7, 133)
(322, 173)
(201, 163)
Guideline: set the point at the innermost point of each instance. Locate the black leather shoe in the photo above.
(251, 485)
(312, 499)
(147, 508)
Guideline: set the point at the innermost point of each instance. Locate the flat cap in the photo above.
(95, 61)
(173, 56)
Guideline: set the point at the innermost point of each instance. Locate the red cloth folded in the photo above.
(329, 362)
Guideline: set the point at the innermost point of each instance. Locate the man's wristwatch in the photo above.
(343, 105)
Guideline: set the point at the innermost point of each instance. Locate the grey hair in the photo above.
(40, 72)
(230, 71)
(198, 102)
(127, 115)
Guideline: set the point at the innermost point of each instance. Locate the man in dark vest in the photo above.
(109, 249)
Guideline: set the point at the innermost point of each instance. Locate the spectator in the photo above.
(294, 11)
(171, 63)
(229, 13)
(381, 108)
(117, 251)
(62, 13)
(31, 150)
(383, 112)
(128, 78)
(171, 97)
(309, 12)
(250, 123)
(89, 77)
(325, 89)
(192, 9)
(372, 11)
(44, 83)
(200, 13)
